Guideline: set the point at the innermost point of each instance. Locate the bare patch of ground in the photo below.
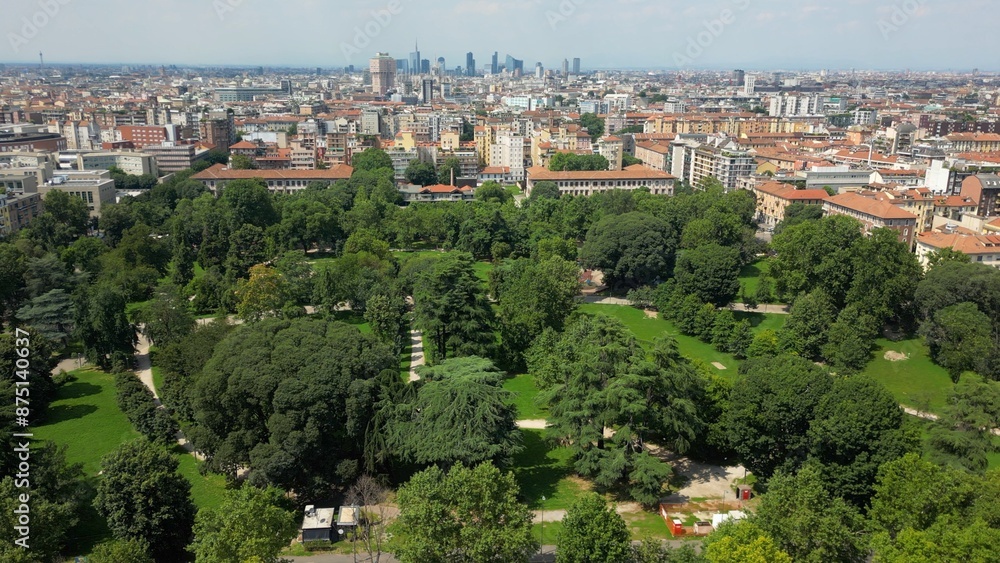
(895, 356)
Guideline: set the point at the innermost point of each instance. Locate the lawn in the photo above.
(523, 387)
(916, 381)
(750, 276)
(85, 418)
(355, 319)
(646, 329)
(158, 379)
(543, 470)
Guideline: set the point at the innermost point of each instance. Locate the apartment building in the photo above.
(17, 210)
(874, 214)
(984, 189)
(774, 197)
(982, 249)
(170, 157)
(654, 155)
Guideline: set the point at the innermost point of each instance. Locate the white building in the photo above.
(508, 152)
(135, 163)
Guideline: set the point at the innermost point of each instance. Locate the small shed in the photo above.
(744, 492)
(317, 525)
(676, 527)
(347, 519)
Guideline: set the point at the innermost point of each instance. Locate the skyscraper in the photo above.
(576, 65)
(495, 66)
(565, 69)
(442, 69)
(539, 70)
(738, 76)
(425, 66)
(749, 85)
(470, 64)
(383, 71)
(415, 59)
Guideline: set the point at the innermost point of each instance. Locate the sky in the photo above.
(633, 34)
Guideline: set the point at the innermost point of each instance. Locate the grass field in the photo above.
(542, 470)
(750, 276)
(915, 382)
(85, 418)
(647, 329)
(525, 391)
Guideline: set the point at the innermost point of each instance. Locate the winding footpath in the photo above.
(144, 371)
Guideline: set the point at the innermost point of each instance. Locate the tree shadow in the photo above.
(537, 474)
(754, 318)
(78, 390)
(62, 413)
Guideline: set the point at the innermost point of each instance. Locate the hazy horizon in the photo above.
(667, 35)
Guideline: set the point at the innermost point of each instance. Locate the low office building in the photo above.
(874, 214)
(95, 188)
(774, 197)
(135, 163)
(277, 181)
(589, 182)
(439, 192)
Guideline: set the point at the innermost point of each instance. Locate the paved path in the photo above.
(416, 353)
(770, 308)
(547, 554)
(532, 424)
(144, 371)
(69, 364)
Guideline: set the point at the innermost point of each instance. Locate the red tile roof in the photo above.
(220, 172)
(869, 206)
(785, 191)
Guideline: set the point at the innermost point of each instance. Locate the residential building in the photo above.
(724, 162)
(277, 181)
(142, 136)
(383, 70)
(218, 128)
(774, 197)
(974, 142)
(610, 147)
(984, 189)
(17, 210)
(840, 178)
(508, 152)
(171, 157)
(11, 140)
(589, 182)
(982, 249)
(498, 174)
(874, 214)
(654, 155)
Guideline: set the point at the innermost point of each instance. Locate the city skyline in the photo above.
(749, 34)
